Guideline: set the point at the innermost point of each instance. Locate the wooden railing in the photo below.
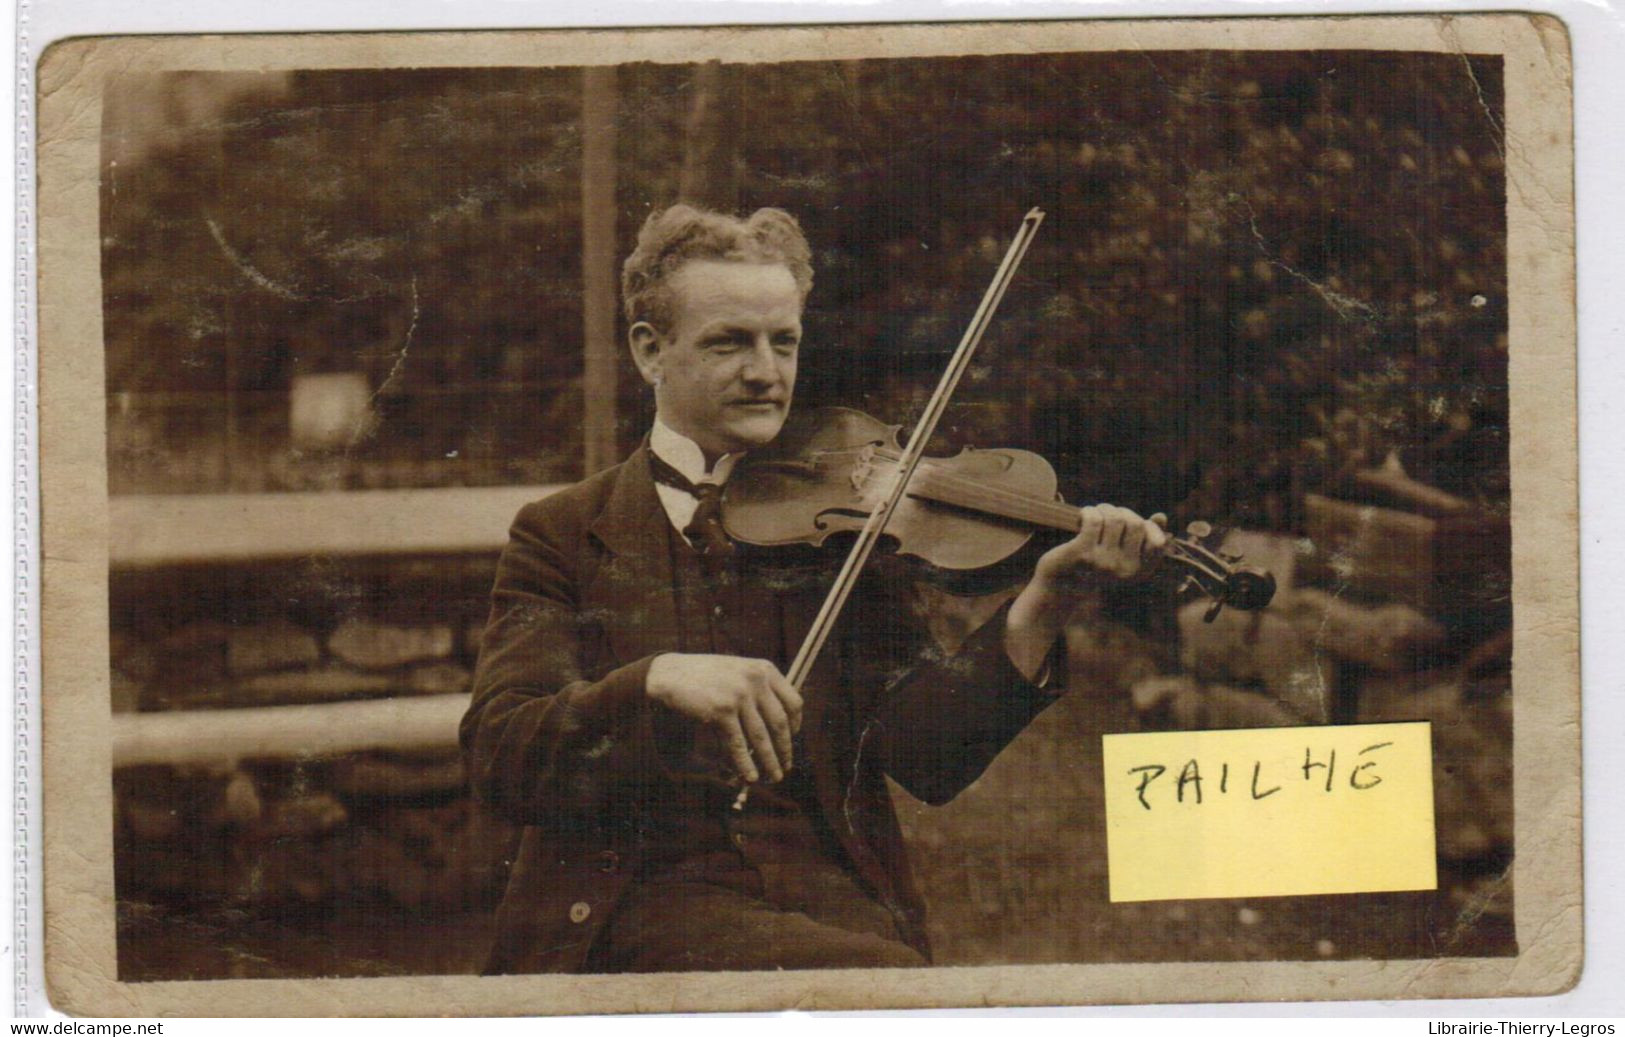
(150, 531)
(221, 738)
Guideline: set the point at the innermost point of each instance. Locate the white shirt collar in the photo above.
(685, 455)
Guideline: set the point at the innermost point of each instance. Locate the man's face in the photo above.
(725, 370)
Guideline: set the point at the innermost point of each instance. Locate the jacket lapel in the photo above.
(634, 584)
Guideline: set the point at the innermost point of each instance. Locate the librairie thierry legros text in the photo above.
(1506, 1028)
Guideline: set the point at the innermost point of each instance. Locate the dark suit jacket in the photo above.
(561, 738)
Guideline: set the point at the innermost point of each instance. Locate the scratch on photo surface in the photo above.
(1478, 902)
(857, 767)
(1345, 306)
(406, 344)
(1499, 136)
(364, 424)
(248, 269)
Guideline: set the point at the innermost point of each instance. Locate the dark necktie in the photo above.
(704, 530)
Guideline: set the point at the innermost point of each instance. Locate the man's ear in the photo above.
(645, 343)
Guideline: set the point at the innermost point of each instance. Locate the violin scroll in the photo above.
(1221, 577)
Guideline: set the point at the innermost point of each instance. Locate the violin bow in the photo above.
(836, 599)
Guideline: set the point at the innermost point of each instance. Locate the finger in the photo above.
(734, 736)
(787, 695)
(1118, 521)
(761, 741)
(1155, 537)
(1157, 534)
(778, 726)
(1089, 532)
(1134, 539)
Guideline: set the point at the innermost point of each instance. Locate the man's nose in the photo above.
(761, 364)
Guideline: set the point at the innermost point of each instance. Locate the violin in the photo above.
(833, 467)
(886, 479)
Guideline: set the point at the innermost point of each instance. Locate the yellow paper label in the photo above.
(1269, 812)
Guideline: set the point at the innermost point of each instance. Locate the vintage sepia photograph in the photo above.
(630, 504)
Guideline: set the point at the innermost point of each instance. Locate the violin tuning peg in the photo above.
(1199, 530)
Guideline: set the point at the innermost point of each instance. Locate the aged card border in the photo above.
(80, 950)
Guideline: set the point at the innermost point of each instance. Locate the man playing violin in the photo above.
(631, 678)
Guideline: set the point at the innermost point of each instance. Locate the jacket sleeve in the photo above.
(945, 718)
(543, 738)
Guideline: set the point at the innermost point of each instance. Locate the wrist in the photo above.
(1046, 598)
(1033, 625)
(1066, 581)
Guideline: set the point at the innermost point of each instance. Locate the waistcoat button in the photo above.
(579, 911)
(608, 861)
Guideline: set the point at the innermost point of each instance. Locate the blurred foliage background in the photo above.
(1260, 271)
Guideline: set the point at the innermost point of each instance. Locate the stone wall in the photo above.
(388, 832)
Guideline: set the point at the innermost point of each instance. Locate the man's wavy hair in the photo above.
(682, 233)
